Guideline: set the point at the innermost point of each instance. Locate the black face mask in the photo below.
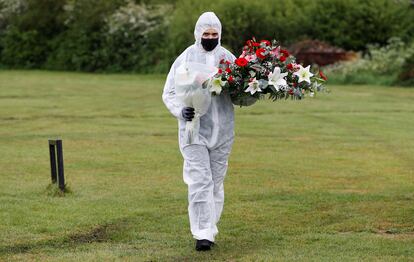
(209, 44)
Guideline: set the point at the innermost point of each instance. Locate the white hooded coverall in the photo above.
(205, 163)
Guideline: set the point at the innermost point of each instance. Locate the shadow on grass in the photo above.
(149, 238)
(100, 233)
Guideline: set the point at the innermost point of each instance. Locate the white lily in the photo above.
(217, 85)
(253, 87)
(277, 79)
(304, 74)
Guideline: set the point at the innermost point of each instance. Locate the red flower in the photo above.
(227, 62)
(256, 44)
(228, 70)
(323, 76)
(282, 58)
(220, 71)
(259, 53)
(222, 61)
(290, 66)
(267, 42)
(285, 52)
(231, 79)
(241, 61)
(290, 92)
(250, 44)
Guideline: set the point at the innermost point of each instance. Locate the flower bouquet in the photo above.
(265, 68)
(189, 79)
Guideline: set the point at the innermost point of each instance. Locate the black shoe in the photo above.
(204, 245)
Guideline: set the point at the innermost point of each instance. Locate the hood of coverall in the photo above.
(206, 21)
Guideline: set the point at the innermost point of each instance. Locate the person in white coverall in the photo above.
(205, 163)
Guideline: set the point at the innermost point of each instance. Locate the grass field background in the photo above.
(324, 179)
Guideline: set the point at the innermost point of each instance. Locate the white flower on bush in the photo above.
(136, 17)
(254, 86)
(11, 8)
(277, 79)
(388, 59)
(304, 74)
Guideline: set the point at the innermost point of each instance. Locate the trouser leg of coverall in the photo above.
(197, 176)
(218, 163)
(204, 172)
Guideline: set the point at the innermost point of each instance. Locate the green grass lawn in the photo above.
(324, 179)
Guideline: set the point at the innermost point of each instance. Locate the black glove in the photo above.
(188, 113)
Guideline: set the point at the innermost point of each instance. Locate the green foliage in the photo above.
(275, 19)
(406, 77)
(360, 78)
(9, 9)
(80, 47)
(26, 42)
(43, 16)
(27, 49)
(132, 37)
(121, 36)
(352, 24)
(349, 24)
(381, 65)
(79, 50)
(241, 20)
(80, 34)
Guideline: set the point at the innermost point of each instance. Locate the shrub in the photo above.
(134, 36)
(117, 37)
(8, 9)
(380, 65)
(147, 35)
(25, 43)
(25, 49)
(406, 77)
(352, 24)
(80, 46)
(241, 20)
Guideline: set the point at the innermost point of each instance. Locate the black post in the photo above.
(60, 164)
(52, 161)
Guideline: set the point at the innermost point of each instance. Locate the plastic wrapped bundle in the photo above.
(191, 92)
